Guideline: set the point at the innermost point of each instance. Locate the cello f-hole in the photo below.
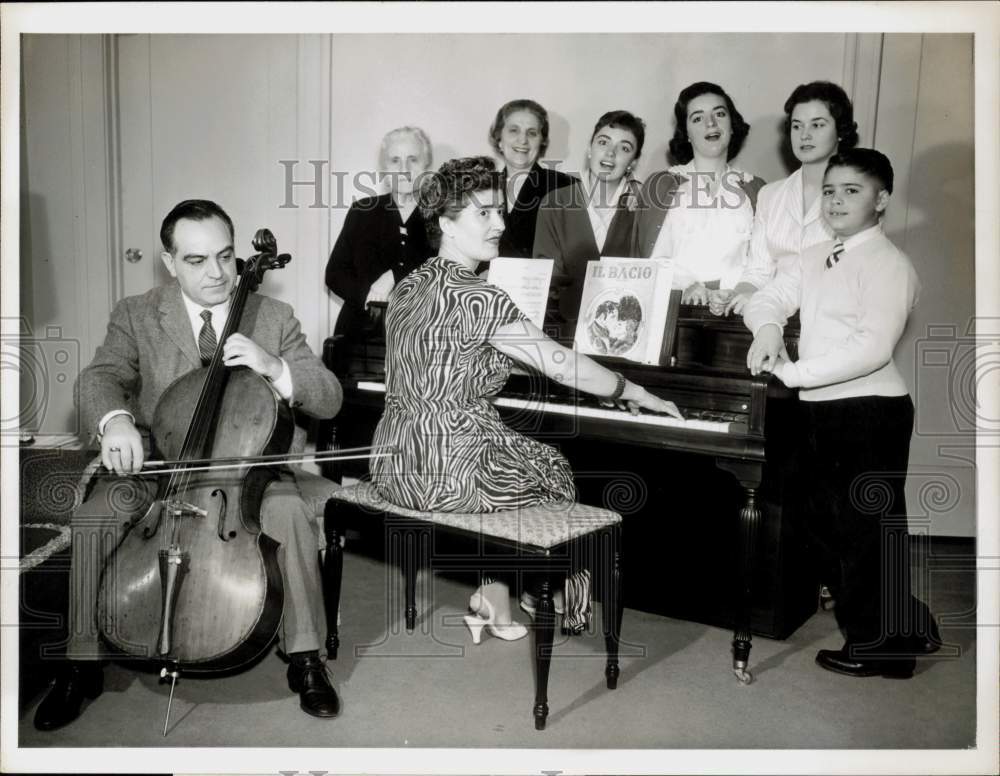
(220, 493)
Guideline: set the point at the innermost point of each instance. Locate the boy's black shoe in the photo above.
(840, 661)
(307, 677)
(75, 681)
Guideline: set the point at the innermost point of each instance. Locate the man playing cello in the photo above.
(152, 339)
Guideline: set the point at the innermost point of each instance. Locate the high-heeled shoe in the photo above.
(529, 603)
(479, 604)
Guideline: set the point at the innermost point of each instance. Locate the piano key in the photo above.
(612, 414)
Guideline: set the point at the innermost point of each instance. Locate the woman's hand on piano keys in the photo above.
(637, 398)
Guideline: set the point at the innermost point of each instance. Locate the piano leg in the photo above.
(748, 474)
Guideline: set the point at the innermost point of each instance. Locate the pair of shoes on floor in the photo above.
(307, 676)
(841, 661)
(485, 616)
(75, 682)
(529, 602)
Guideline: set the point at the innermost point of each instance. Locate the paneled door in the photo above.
(211, 117)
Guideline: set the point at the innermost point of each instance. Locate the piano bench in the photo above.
(545, 542)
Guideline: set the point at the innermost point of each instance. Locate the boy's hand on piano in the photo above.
(765, 349)
(775, 366)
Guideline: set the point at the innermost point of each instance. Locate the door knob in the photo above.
(132, 255)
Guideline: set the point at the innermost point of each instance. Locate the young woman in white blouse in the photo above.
(699, 213)
(819, 120)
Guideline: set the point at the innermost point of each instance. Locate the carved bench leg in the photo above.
(612, 609)
(545, 622)
(331, 561)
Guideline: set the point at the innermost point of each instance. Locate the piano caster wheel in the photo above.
(742, 673)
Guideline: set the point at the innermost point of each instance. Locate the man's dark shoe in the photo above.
(840, 661)
(75, 681)
(307, 677)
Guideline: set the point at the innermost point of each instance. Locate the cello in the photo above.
(194, 582)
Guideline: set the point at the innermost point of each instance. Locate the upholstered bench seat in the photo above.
(543, 526)
(549, 541)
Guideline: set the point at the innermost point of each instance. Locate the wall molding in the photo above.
(862, 75)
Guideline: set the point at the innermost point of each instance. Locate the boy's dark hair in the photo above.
(681, 151)
(836, 101)
(193, 210)
(867, 160)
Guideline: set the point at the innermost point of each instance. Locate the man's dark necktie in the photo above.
(206, 338)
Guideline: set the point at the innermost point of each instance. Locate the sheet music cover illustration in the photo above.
(624, 308)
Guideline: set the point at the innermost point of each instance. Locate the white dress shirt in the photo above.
(781, 230)
(706, 238)
(601, 217)
(852, 315)
(220, 314)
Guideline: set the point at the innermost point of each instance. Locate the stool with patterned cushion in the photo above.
(547, 541)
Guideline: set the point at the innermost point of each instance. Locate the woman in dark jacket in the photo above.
(520, 135)
(384, 237)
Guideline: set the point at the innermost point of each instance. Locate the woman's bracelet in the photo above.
(619, 387)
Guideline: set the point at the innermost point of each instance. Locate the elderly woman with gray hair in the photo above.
(384, 237)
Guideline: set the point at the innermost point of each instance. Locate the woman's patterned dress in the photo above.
(455, 454)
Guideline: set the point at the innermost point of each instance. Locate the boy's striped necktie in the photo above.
(834, 257)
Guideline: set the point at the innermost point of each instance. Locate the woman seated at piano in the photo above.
(520, 136)
(591, 217)
(451, 340)
(384, 237)
(699, 212)
(819, 121)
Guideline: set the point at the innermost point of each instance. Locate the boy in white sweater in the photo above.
(853, 295)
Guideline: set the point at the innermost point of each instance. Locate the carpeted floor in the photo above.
(435, 689)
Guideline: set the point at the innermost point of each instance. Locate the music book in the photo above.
(527, 283)
(626, 310)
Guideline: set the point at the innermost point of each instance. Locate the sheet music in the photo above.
(527, 281)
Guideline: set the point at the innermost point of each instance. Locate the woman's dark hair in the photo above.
(622, 119)
(681, 151)
(866, 160)
(447, 191)
(836, 101)
(496, 128)
(192, 210)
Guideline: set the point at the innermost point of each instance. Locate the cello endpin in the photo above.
(173, 683)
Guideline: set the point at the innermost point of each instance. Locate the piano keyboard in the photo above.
(614, 415)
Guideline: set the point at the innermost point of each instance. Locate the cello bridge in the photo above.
(182, 509)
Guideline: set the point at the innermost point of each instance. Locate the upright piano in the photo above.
(709, 502)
